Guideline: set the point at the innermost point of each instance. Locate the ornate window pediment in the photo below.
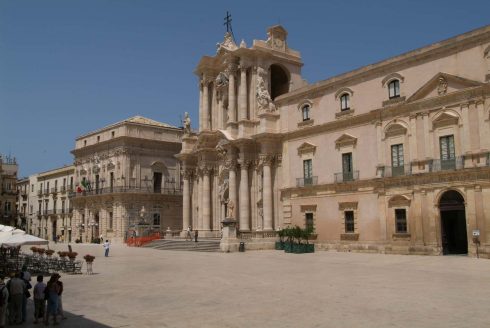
(345, 140)
(447, 117)
(306, 148)
(390, 77)
(342, 91)
(441, 84)
(399, 200)
(395, 128)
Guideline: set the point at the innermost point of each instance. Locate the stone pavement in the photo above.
(140, 287)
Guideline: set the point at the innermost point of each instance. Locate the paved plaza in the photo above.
(139, 287)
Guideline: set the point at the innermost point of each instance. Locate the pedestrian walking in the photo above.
(60, 299)
(188, 234)
(4, 296)
(39, 299)
(106, 247)
(196, 234)
(16, 287)
(26, 276)
(52, 293)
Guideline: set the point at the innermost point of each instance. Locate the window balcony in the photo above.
(46, 191)
(346, 176)
(54, 190)
(456, 163)
(39, 192)
(395, 171)
(304, 182)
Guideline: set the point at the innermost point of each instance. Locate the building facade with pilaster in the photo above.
(8, 190)
(392, 157)
(127, 180)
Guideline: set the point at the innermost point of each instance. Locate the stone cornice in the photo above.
(480, 176)
(415, 57)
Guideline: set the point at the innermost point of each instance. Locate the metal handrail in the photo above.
(346, 176)
(139, 190)
(303, 182)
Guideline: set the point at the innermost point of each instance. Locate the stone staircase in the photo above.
(203, 245)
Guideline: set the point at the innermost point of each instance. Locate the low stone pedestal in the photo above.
(168, 234)
(229, 241)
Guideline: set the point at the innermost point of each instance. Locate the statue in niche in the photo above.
(221, 80)
(231, 209)
(264, 100)
(187, 123)
(442, 86)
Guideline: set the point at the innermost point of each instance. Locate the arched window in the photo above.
(394, 89)
(345, 102)
(305, 110)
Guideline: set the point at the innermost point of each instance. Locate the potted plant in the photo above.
(62, 254)
(72, 255)
(89, 258)
(288, 245)
(307, 233)
(280, 243)
(297, 233)
(41, 251)
(49, 252)
(34, 249)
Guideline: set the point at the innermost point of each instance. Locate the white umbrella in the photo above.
(6, 228)
(22, 239)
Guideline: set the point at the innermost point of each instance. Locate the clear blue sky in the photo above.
(70, 67)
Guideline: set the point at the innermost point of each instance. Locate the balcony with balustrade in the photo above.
(346, 176)
(305, 182)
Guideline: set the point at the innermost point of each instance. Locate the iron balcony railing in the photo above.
(346, 176)
(46, 191)
(395, 171)
(304, 182)
(138, 190)
(456, 163)
(54, 190)
(39, 192)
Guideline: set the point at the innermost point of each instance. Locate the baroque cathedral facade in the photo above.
(392, 157)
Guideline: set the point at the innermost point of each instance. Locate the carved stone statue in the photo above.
(230, 209)
(442, 86)
(187, 123)
(142, 213)
(221, 80)
(264, 100)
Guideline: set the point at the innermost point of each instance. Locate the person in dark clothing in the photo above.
(196, 234)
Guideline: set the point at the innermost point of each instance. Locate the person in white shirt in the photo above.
(106, 247)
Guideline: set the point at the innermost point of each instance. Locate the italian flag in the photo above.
(83, 186)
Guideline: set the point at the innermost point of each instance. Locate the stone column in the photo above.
(242, 94)
(205, 106)
(232, 184)
(199, 198)
(267, 192)
(466, 140)
(483, 126)
(380, 149)
(231, 94)
(186, 206)
(201, 120)
(428, 142)
(413, 138)
(219, 124)
(206, 200)
(244, 197)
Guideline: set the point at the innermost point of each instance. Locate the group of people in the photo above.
(15, 293)
(188, 235)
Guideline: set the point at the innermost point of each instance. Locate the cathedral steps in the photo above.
(203, 245)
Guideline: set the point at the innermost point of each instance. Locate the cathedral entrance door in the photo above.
(453, 223)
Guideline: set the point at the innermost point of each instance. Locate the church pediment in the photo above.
(444, 118)
(345, 140)
(442, 84)
(306, 148)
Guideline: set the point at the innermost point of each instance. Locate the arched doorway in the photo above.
(453, 223)
(279, 81)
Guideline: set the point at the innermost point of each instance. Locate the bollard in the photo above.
(241, 248)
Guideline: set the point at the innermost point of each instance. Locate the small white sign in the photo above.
(476, 233)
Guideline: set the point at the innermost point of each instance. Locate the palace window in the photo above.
(397, 160)
(349, 221)
(394, 89)
(307, 171)
(305, 110)
(309, 221)
(347, 171)
(156, 219)
(111, 216)
(401, 220)
(448, 156)
(345, 102)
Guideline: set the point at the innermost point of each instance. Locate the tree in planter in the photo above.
(297, 233)
(288, 245)
(280, 243)
(306, 235)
